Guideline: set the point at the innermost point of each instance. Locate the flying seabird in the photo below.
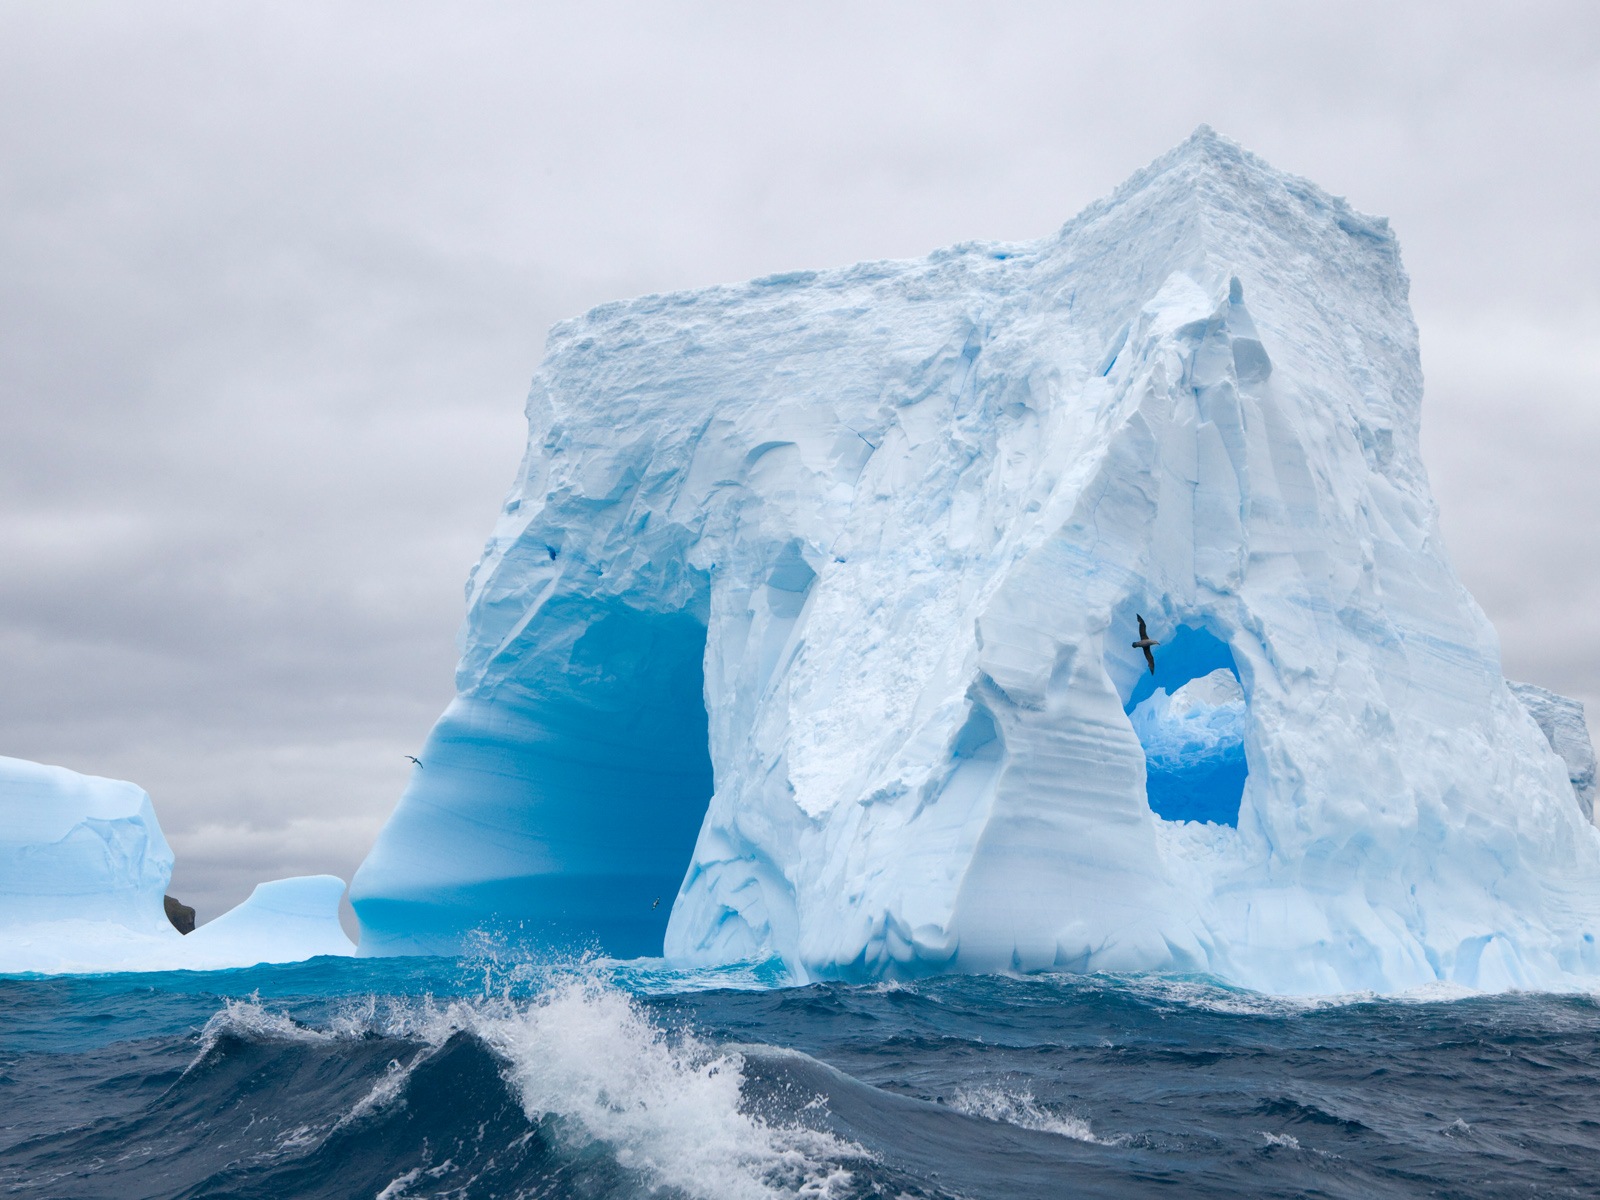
(1144, 643)
(415, 759)
(657, 904)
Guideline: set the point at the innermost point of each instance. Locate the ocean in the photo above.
(483, 1077)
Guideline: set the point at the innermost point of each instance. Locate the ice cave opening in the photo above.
(1190, 716)
(565, 800)
(628, 778)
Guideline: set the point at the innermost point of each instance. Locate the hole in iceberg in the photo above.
(1190, 717)
(561, 809)
(634, 773)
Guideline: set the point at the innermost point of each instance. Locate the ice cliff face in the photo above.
(894, 524)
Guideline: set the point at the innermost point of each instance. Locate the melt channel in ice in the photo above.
(83, 871)
(805, 631)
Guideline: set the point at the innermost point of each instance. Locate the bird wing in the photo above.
(1151, 659)
(1142, 633)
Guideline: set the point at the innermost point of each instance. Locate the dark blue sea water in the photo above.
(411, 1078)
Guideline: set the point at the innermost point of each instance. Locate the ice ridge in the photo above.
(805, 630)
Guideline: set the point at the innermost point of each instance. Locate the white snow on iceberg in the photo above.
(808, 623)
(84, 868)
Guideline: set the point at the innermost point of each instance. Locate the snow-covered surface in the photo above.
(84, 867)
(1562, 721)
(894, 522)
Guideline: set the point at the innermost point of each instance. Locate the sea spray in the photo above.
(591, 1066)
(670, 1107)
(408, 1078)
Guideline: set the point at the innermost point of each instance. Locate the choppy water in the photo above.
(412, 1078)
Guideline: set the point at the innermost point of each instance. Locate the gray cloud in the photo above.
(276, 277)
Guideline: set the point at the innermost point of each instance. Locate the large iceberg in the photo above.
(84, 869)
(806, 630)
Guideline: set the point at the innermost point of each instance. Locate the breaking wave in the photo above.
(453, 1078)
(592, 1074)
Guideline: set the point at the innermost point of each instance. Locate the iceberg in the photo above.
(285, 920)
(84, 869)
(1561, 721)
(805, 633)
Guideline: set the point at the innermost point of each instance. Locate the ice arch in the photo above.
(1190, 717)
(560, 807)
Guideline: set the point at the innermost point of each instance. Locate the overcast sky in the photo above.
(274, 277)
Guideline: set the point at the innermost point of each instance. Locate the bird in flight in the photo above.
(657, 904)
(415, 759)
(1144, 643)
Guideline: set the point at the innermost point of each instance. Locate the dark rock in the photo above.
(180, 914)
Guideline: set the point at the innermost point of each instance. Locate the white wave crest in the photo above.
(248, 1017)
(668, 1107)
(1019, 1108)
(388, 1092)
(583, 1052)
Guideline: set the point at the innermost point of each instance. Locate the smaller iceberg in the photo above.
(84, 869)
(285, 920)
(83, 873)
